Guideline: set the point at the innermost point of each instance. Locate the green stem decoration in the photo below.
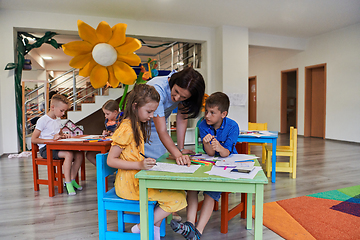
(122, 104)
(23, 48)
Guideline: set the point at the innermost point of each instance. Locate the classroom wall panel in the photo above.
(340, 50)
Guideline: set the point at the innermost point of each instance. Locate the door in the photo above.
(289, 96)
(252, 99)
(315, 101)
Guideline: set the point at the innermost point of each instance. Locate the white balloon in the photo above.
(104, 54)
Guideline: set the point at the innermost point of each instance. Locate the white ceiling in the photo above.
(292, 18)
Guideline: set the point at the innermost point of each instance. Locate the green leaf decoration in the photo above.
(10, 66)
(22, 48)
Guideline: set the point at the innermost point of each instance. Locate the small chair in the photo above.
(38, 160)
(198, 141)
(290, 151)
(110, 201)
(258, 127)
(226, 214)
(58, 175)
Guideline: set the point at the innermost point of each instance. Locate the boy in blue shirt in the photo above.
(219, 135)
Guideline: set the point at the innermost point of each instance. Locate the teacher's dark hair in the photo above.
(192, 81)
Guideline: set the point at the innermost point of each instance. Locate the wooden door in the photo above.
(315, 101)
(288, 102)
(252, 99)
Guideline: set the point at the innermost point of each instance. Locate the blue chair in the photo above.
(110, 201)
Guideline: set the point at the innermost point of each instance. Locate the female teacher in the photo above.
(185, 90)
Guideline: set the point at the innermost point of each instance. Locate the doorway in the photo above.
(289, 96)
(315, 101)
(252, 99)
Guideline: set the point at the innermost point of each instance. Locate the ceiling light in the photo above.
(47, 58)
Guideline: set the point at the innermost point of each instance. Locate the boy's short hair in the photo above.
(59, 98)
(218, 99)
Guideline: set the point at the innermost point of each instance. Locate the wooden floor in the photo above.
(322, 165)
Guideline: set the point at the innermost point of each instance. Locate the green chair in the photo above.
(198, 140)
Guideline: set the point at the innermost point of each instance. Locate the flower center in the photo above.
(104, 54)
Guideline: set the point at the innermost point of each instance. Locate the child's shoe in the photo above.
(197, 235)
(70, 189)
(186, 229)
(76, 186)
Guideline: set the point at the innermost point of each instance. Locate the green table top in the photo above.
(199, 175)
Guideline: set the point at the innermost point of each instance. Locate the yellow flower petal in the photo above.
(86, 70)
(132, 59)
(81, 60)
(87, 33)
(103, 32)
(77, 48)
(112, 79)
(118, 35)
(99, 76)
(124, 73)
(130, 45)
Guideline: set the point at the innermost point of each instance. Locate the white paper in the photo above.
(237, 99)
(238, 157)
(205, 157)
(71, 140)
(220, 171)
(169, 167)
(266, 133)
(245, 164)
(92, 136)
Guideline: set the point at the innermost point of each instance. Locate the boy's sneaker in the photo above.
(76, 186)
(70, 189)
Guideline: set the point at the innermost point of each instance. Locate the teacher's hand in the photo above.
(187, 151)
(183, 160)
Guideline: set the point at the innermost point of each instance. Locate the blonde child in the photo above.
(48, 127)
(112, 120)
(128, 143)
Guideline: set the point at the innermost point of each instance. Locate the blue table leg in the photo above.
(273, 161)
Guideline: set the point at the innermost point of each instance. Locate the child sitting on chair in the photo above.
(219, 135)
(126, 155)
(48, 127)
(112, 120)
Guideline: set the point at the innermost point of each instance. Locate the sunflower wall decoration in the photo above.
(105, 54)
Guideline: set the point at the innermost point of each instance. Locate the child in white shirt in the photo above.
(48, 127)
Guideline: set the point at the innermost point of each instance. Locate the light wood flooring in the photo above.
(25, 214)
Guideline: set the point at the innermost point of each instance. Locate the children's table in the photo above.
(102, 147)
(263, 139)
(201, 181)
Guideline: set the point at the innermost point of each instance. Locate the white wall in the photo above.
(62, 22)
(340, 50)
(235, 51)
(224, 69)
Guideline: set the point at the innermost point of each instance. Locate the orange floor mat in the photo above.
(279, 221)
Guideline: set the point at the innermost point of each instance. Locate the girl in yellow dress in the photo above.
(128, 143)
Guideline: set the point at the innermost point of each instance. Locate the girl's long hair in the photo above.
(192, 81)
(138, 97)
